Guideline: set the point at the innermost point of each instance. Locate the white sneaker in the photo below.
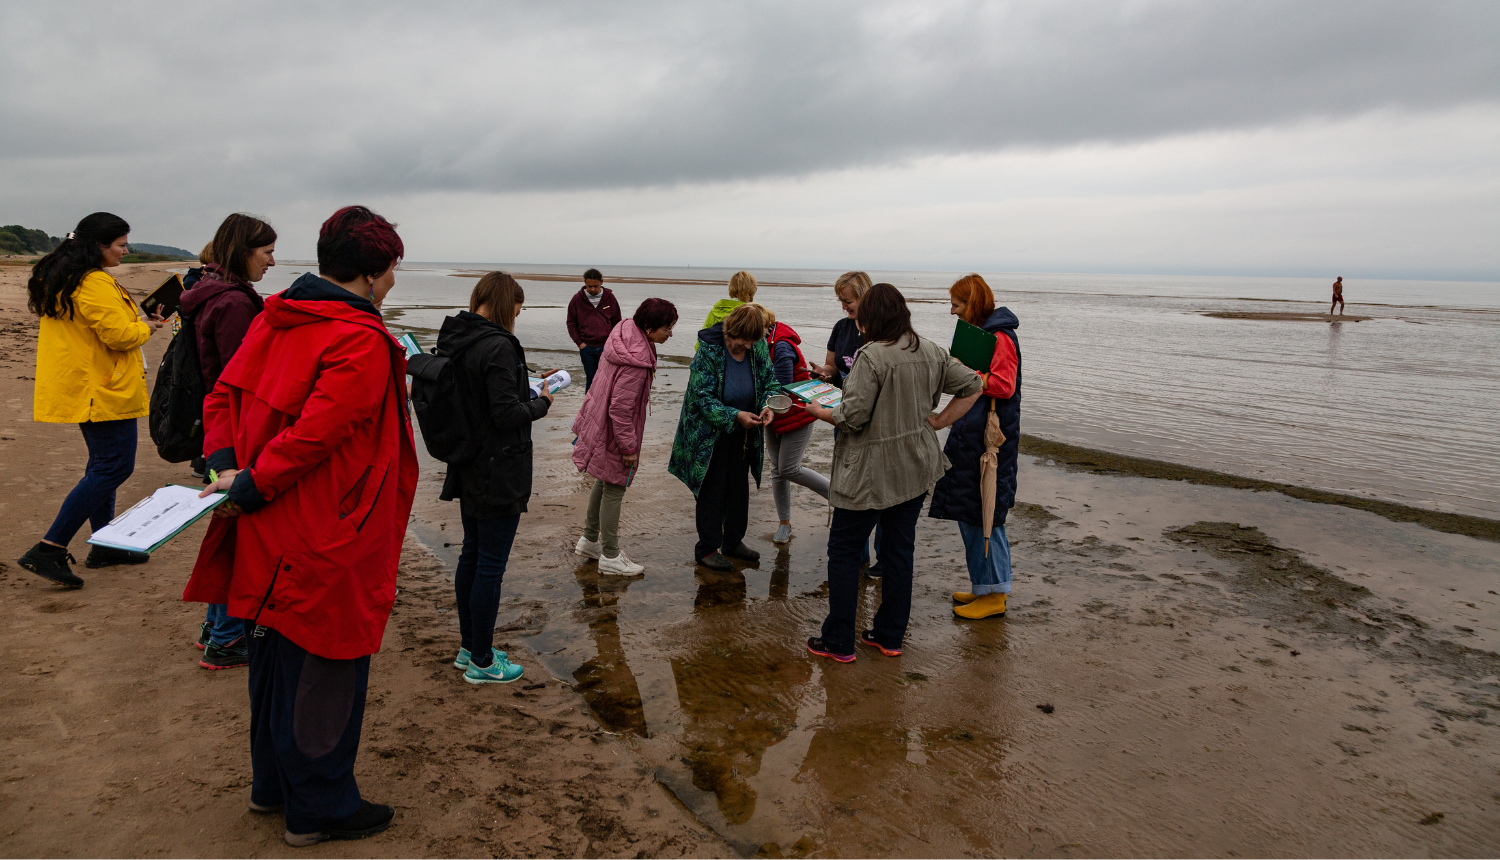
(619, 564)
(587, 548)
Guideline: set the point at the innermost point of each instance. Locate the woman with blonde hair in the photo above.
(494, 486)
(957, 496)
(742, 287)
(845, 340)
(787, 434)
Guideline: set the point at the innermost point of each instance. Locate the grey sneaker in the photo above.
(783, 534)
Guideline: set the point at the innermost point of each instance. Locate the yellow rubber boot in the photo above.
(983, 607)
(964, 597)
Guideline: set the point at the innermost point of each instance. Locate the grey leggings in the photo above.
(786, 450)
(603, 516)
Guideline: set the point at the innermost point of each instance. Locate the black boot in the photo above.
(716, 561)
(741, 552)
(104, 556)
(51, 562)
(368, 820)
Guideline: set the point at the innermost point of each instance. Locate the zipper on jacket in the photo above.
(374, 501)
(260, 631)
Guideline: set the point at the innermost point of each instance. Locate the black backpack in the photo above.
(177, 399)
(439, 405)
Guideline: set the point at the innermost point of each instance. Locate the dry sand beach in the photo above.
(1187, 668)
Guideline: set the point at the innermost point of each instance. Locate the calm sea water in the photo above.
(1405, 406)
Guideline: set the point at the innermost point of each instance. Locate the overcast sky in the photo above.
(1211, 137)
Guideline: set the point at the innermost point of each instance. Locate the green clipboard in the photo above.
(208, 508)
(973, 346)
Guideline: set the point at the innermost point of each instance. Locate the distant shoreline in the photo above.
(1105, 462)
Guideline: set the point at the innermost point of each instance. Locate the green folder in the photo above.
(973, 346)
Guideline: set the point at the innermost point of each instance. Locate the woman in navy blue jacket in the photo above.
(957, 494)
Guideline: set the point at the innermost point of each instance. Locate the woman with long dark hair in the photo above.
(492, 489)
(90, 371)
(219, 309)
(885, 459)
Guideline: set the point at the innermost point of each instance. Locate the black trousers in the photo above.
(724, 499)
(848, 535)
(306, 713)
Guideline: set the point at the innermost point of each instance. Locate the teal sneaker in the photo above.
(462, 660)
(502, 671)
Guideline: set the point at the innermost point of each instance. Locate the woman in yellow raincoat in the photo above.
(90, 371)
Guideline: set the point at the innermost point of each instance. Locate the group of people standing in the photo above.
(307, 431)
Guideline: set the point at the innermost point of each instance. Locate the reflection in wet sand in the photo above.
(733, 692)
(606, 681)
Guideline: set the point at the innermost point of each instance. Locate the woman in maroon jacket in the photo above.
(309, 434)
(220, 307)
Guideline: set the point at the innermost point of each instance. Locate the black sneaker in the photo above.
(370, 819)
(873, 571)
(716, 561)
(51, 562)
(203, 640)
(236, 653)
(816, 646)
(741, 552)
(104, 556)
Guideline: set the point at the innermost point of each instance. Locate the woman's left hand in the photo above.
(631, 460)
(766, 416)
(820, 412)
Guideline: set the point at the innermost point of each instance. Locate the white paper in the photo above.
(555, 383)
(155, 518)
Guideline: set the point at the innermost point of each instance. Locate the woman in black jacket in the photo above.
(492, 489)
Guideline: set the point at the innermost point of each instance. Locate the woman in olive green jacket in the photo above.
(90, 371)
(885, 461)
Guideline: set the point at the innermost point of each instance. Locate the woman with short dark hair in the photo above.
(218, 311)
(492, 489)
(885, 460)
(90, 371)
(718, 436)
(308, 431)
(610, 426)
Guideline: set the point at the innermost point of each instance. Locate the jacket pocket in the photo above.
(350, 503)
(376, 498)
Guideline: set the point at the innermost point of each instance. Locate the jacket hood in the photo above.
(724, 306)
(782, 331)
(463, 330)
(628, 345)
(607, 294)
(212, 283)
(713, 335)
(1001, 318)
(311, 299)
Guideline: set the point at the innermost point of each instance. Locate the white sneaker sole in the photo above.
(586, 552)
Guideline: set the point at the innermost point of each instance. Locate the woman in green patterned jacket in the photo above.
(719, 437)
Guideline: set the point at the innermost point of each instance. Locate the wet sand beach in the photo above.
(1188, 667)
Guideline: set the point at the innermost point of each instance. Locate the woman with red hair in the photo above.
(308, 435)
(957, 495)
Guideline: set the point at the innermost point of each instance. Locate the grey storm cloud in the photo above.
(368, 98)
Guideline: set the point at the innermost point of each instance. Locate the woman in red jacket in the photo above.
(788, 433)
(308, 433)
(219, 308)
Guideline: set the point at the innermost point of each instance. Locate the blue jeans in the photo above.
(481, 567)
(590, 356)
(223, 628)
(850, 531)
(111, 460)
(987, 575)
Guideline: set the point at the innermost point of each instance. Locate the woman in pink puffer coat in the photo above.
(610, 426)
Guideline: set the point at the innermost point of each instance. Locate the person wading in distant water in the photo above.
(89, 371)
(592, 315)
(1338, 296)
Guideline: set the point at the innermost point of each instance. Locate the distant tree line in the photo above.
(15, 239)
